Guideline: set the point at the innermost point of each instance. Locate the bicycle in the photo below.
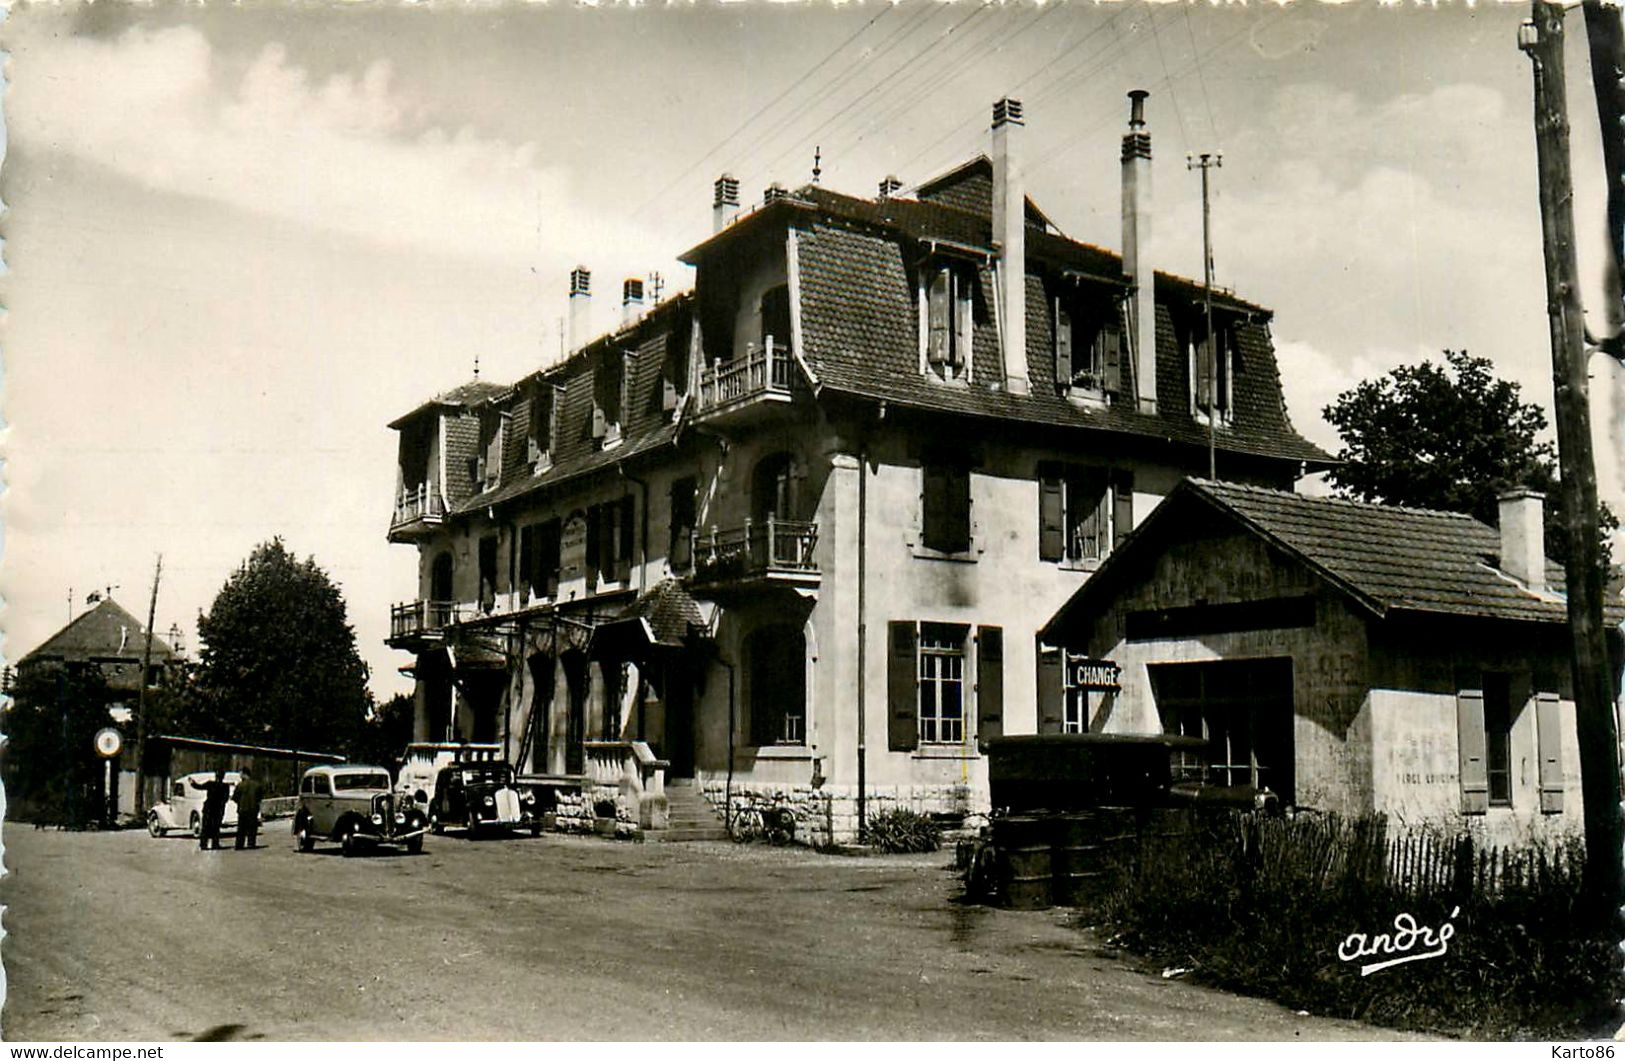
(776, 825)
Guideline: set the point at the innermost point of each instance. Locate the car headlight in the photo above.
(400, 819)
(529, 797)
(377, 819)
(490, 801)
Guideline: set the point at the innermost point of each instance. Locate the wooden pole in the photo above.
(1605, 35)
(1542, 39)
(141, 699)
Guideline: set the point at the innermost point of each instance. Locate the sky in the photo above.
(239, 240)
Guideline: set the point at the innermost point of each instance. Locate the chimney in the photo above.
(1137, 266)
(774, 191)
(724, 202)
(1523, 537)
(890, 186)
(580, 306)
(1010, 240)
(631, 301)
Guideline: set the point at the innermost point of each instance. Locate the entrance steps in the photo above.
(689, 816)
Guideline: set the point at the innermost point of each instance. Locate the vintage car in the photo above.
(354, 805)
(481, 796)
(184, 807)
(422, 762)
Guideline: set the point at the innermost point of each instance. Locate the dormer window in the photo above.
(609, 397)
(674, 368)
(1211, 367)
(948, 292)
(1088, 343)
(486, 467)
(542, 434)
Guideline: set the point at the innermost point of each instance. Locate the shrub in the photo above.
(603, 808)
(1261, 906)
(900, 831)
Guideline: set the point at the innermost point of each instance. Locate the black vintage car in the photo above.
(481, 797)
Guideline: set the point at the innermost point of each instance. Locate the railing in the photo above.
(418, 502)
(782, 545)
(767, 370)
(420, 617)
(631, 769)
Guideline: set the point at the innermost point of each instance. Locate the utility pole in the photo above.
(141, 699)
(1206, 161)
(1605, 33)
(1541, 38)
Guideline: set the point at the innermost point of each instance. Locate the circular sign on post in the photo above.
(108, 742)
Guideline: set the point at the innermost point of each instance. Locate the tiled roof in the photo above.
(468, 394)
(671, 612)
(105, 632)
(859, 335)
(1389, 560)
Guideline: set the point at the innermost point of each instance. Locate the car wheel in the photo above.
(536, 828)
(414, 846)
(197, 826)
(348, 842)
(473, 829)
(435, 826)
(154, 826)
(301, 834)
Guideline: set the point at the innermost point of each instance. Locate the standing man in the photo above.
(215, 794)
(248, 811)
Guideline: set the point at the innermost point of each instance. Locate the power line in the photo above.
(1179, 115)
(1201, 79)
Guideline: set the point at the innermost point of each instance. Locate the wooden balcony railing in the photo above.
(418, 503)
(764, 370)
(419, 617)
(756, 549)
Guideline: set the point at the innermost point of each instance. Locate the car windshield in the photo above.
(497, 772)
(348, 782)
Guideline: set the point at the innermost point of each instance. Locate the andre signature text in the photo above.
(1406, 937)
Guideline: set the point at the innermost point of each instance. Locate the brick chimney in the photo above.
(631, 300)
(724, 201)
(1523, 537)
(889, 186)
(1137, 266)
(580, 307)
(1010, 241)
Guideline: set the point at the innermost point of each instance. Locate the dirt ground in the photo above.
(118, 936)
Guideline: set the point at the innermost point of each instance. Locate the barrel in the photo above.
(1023, 843)
(1087, 846)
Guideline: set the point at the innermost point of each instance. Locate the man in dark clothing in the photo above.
(215, 794)
(248, 811)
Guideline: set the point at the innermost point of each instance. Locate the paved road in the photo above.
(119, 936)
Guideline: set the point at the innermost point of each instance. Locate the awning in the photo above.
(666, 617)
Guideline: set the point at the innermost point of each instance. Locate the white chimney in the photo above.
(631, 301)
(1137, 266)
(1523, 537)
(724, 202)
(580, 307)
(890, 186)
(1010, 240)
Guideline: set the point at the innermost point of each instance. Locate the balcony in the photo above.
(420, 622)
(419, 510)
(771, 552)
(749, 389)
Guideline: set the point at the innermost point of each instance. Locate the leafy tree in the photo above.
(1449, 437)
(385, 733)
(51, 767)
(278, 663)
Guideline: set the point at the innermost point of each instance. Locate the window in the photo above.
(674, 368)
(683, 517)
(1243, 709)
(542, 435)
(1083, 512)
(1484, 719)
(942, 683)
(1498, 737)
(933, 682)
(488, 573)
(945, 505)
(539, 560)
(776, 318)
(1088, 343)
(1210, 376)
(949, 313)
(609, 541)
(488, 464)
(776, 661)
(608, 396)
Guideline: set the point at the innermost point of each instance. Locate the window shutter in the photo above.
(1122, 505)
(938, 305)
(1203, 367)
(1549, 738)
(1470, 738)
(989, 682)
(592, 545)
(1112, 335)
(933, 506)
(902, 696)
(1063, 344)
(958, 509)
(551, 533)
(623, 557)
(1051, 520)
(962, 319)
(527, 562)
(1051, 697)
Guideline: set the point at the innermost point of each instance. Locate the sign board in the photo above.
(108, 742)
(1099, 674)
(573, 548)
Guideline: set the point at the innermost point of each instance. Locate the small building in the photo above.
(1350, 657)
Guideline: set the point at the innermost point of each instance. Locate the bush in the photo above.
(900, 831)
(1261, 906)
(603, 808)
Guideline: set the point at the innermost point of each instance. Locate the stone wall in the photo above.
(828, 814)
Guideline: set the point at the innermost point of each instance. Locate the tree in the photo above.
(386, 732)
(52, 772)
(1449, 437)
(278, 663)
